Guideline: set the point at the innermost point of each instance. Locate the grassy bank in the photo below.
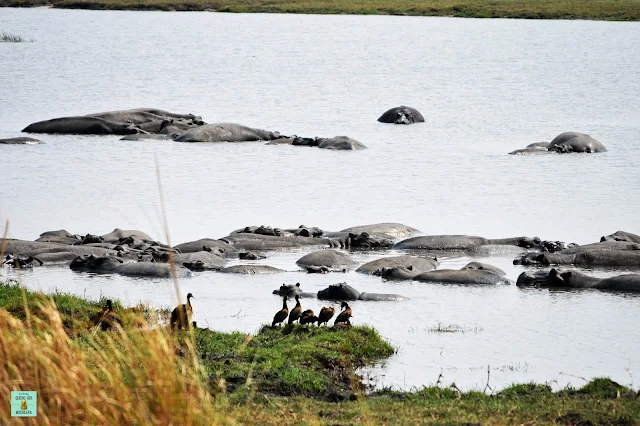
(141, 374)
(615, 10)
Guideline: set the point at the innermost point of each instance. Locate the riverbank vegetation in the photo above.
(613, 10)
(7, 37)
(139, 373)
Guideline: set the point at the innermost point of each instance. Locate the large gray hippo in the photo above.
(463, 276)
(226, 132)
(110, 264)
(19, 141)
(144, 115)
(253, 241)
(343, 291)
(361, 241)
(331, 259)
(206, 244)
(342, 143)
(82, 125)
(535, 148)
(392, 229)
(251, 269)
(568, 142)
(471, 243)
(401, 115)
(416, 264)
(622, 236)
(574, 279)
(291, 291)
(117, 234)
(596, 258)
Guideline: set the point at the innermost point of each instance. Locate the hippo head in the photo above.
(364, 240)
(552, 278)
(402, 117)
(288, 290)
(81, 262)
(538, 259)
(305, 141)
(341, 291)
(553, 246)
(198, 265)
(528, 242)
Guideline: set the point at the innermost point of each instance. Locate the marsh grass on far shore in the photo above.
(12, 38)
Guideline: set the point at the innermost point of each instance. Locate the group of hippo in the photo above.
(153, 123)
(134, 253)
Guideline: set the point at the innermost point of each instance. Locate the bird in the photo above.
(344, 316)
(295, 312)
(179, 316)
(326, 314)
(281, 315)
(308, 317)
(105, 318)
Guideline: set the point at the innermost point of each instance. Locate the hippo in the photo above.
(142, 115)
(331, 259)
(206, 243)
(82, 125)
(607, 245)
(463, 276)
(251, 269)
(404, 273)
(484, 267)
(392, 229)
(226, 132)
(575, 279)
(415, 264)
(58, 233)
(110, 264)
(362, 240)
(535, 148)
(596, 258)
(22, 262)
(19, 141)
(342, 143)
(58, 240)
(291, 291)
(210, 259)
(568, 142)
(401, 115)
(117, 234)
(343, 291)
(471, 243)
(252, 241)
(249, 255)
(622, 236)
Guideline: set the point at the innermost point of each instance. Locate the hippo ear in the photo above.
(410, 267)
(352, 235)
(297, 284)
(205, 248)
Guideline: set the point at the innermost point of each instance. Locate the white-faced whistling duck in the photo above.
(181, 313)
(308, 317)
(295, 312)
(344, 315)
(326, 314)
(106, 317)
(282, 314)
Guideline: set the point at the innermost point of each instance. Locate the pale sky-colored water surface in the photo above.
(486, 87)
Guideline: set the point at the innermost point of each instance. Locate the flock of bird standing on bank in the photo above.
(180, 315)
(309, 317)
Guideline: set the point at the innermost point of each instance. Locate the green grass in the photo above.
(613, 10)
(290, 375)
(311, 361)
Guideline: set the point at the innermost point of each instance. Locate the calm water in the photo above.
(486, 87)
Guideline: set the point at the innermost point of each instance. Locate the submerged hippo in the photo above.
(331, 259)
(463, 276)
(401, 115)
(415, 264)
(19, 141)
(82, 125)
(622, 236)
(392, 229)
(596, 258)
(568, 142)
(111, 264)
(574, 279)
(226, 132)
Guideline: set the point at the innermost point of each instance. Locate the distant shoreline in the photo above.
(606, 10)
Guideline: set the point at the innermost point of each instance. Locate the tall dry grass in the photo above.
(127, 376)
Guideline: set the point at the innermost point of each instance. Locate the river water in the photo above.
(485, 87)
